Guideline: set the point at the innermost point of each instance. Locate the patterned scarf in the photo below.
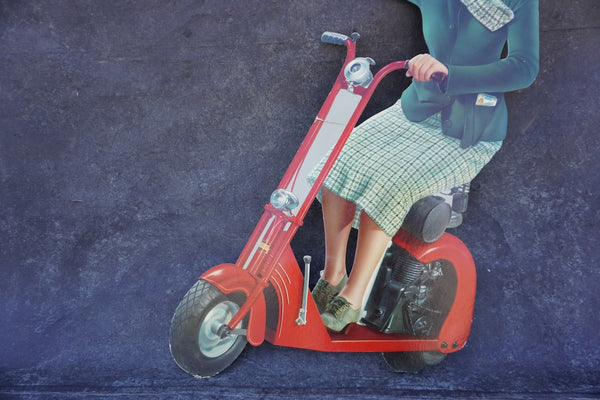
(493, 14)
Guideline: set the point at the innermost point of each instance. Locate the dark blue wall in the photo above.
(139, 141)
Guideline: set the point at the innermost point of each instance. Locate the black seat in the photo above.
(429, 217)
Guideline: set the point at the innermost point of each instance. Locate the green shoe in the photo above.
(323, 292)
(339, 314)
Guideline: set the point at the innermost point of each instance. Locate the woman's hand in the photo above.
(421, 67)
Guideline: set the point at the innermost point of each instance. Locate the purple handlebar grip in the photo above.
(437, 77)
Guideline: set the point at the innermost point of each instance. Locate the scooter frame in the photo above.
(268, 260)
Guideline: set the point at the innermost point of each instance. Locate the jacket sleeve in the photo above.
(516, 71)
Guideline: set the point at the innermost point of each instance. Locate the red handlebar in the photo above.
(349, 41)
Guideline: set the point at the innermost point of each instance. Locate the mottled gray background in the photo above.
(139, 141)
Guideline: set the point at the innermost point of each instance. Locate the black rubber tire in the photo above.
(413, 361)
(193, 340)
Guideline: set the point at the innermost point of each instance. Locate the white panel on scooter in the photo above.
(335, 122)
(343, 107)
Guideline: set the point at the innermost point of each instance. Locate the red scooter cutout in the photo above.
(420, 305)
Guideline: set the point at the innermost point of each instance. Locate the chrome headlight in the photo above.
(283, 199)
(358, 71)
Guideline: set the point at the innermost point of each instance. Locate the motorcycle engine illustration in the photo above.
(410, 297)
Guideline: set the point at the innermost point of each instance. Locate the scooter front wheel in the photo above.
(412, 361)
(196, 340)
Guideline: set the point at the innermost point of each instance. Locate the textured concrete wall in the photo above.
(139, 141)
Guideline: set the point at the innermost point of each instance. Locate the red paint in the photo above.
(267, 259)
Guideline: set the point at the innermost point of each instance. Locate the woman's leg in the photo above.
(344, 308)
(338, 215)
(370, 246)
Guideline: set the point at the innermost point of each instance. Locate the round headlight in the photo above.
(358, 71)
(282, 199)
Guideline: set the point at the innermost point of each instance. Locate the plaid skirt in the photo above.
(388, 163)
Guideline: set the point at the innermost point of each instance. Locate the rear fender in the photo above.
(455, 330)
(229, 278)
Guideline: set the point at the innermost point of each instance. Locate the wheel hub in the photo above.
(213, 338)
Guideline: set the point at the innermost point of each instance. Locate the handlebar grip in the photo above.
(334, 38)
(437, 77)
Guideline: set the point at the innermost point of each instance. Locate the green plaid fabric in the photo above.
(493, 14)
(388, 163)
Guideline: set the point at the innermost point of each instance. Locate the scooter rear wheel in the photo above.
(413, 361)
(195, 339)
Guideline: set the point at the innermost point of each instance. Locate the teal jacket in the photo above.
(471, 99)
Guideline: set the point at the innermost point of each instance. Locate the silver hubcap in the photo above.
(209, 341)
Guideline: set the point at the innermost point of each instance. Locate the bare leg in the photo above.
(338, 215)
(371, 244)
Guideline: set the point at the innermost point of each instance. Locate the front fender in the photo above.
(229, 278)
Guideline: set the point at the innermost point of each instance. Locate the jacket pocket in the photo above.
(421, 100)
(467, 121)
